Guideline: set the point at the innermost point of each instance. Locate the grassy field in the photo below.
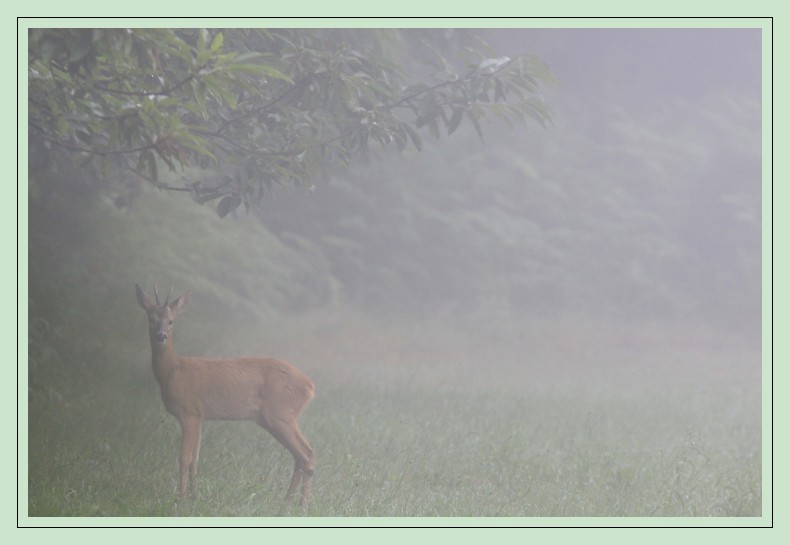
(422, 432)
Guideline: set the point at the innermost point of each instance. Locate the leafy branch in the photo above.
(253, 108)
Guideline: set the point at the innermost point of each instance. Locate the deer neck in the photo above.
(163, 358)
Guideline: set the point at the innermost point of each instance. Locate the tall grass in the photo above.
(428, 438)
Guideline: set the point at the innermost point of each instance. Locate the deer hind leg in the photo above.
(190, 447)
(287, 433)
(304, 466)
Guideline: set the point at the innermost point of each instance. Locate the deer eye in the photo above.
(170, 322)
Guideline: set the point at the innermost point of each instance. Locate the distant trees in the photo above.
(260, 107)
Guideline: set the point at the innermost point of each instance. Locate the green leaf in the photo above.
(196, 144)
(216, 86)
(260, 69)
(83, 136)
(455, 120)
(400, 137)
(414, 135)
(202, 196)
(153, 171)
(216, 44)
(499, 91)
(228, 205)
(476, 124)
(202, 38)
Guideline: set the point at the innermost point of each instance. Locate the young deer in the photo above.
(270, 392)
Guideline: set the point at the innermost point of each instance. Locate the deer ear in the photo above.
(142, 299)
(180, 304)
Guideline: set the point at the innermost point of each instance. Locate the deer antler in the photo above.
(156, 293)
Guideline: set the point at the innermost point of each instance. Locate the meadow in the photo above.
(418, 423)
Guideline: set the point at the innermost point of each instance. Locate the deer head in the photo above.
(161, 315)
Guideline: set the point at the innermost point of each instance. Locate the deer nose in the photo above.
(161, 337)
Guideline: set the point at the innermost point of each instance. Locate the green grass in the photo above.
(448, 439)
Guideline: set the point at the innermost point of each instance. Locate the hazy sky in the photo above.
(641, 66)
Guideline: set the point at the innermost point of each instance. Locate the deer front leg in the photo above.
(195, 455)
(190, 445)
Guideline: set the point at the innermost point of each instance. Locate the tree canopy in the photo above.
(261, 107)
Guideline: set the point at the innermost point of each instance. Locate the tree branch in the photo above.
(92, 151)
(165, 92)
(441, 84)
(262, 108)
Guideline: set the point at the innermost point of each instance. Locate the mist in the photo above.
(632, 223)
(527, 299)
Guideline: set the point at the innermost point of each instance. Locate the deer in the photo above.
(270, 392)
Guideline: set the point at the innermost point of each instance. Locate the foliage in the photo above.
(262, 107)
(545, 235)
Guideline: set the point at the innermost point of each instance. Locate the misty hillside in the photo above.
(606, 266)
(549, 223)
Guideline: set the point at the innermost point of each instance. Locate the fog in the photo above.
(605, 268)
(624, 235)
(639, 207)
